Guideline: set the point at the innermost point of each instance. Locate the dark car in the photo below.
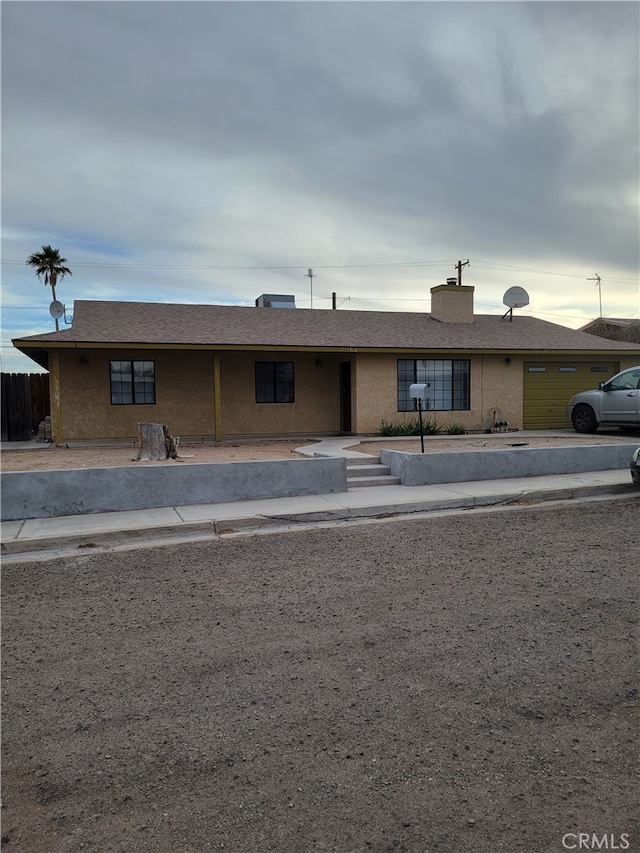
(635, 466)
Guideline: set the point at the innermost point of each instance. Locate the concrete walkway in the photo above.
(206, 520)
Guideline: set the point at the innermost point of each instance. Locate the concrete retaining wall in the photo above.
(421, 469)
(45, 494)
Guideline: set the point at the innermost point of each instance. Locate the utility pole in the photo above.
(310, 276)
(598, 279)
(459, 266)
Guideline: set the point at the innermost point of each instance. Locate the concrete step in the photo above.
(362, 460)
(376, 470)
(364, 482)
(363, 473)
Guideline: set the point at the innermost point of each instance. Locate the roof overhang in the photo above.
(35, 353)
(40, 355)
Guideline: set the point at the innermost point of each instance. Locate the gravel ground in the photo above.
(452, 684)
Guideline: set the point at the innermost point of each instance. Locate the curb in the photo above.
(93, 540)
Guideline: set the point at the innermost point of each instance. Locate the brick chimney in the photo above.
(451, 303)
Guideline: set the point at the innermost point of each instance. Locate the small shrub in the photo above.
(456, 429)
(411, 427)
(430, 426)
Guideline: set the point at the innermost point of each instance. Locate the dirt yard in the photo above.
(108, 456)
(491, 441)
(461, 684)
(105, 456)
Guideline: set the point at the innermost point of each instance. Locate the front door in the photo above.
(345, 396)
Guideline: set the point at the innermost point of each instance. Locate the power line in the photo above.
(492, 265)
(479, 263)
(382, 299)
(529, 311)
(253, 267)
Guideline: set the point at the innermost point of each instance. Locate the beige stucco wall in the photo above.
(184, 394)
(497, 386)
(316, 408)
(494, 384)
(374, 391)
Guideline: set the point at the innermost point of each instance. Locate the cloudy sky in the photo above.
(214, 151)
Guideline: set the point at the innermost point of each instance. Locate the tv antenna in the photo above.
(310, 276)
(515, 297)
(598, 279)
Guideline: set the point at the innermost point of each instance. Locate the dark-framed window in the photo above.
(274, 382)
(447, 380)
(133, 383)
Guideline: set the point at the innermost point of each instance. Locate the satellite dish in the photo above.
(56, 309)
(516, 297)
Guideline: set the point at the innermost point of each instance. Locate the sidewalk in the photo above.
(207, 520)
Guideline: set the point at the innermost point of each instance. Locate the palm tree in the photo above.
(49, 264)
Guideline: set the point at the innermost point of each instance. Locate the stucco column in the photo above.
(217, 398)
(355, 415)
(54, 395)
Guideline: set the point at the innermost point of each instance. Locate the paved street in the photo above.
(458, 683)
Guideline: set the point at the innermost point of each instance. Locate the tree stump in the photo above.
(155, 442)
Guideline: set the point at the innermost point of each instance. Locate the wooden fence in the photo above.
(25, 403)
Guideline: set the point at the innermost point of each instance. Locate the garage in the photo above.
(549, 385)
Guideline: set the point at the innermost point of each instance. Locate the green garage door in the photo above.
(548, 387)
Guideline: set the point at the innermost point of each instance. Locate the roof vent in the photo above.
(451, 281)
(275, 300)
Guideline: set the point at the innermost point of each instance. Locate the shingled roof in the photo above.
(228, 327)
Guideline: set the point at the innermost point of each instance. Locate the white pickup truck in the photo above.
(613, 403)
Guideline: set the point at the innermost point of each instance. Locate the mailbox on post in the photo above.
(418, 392)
